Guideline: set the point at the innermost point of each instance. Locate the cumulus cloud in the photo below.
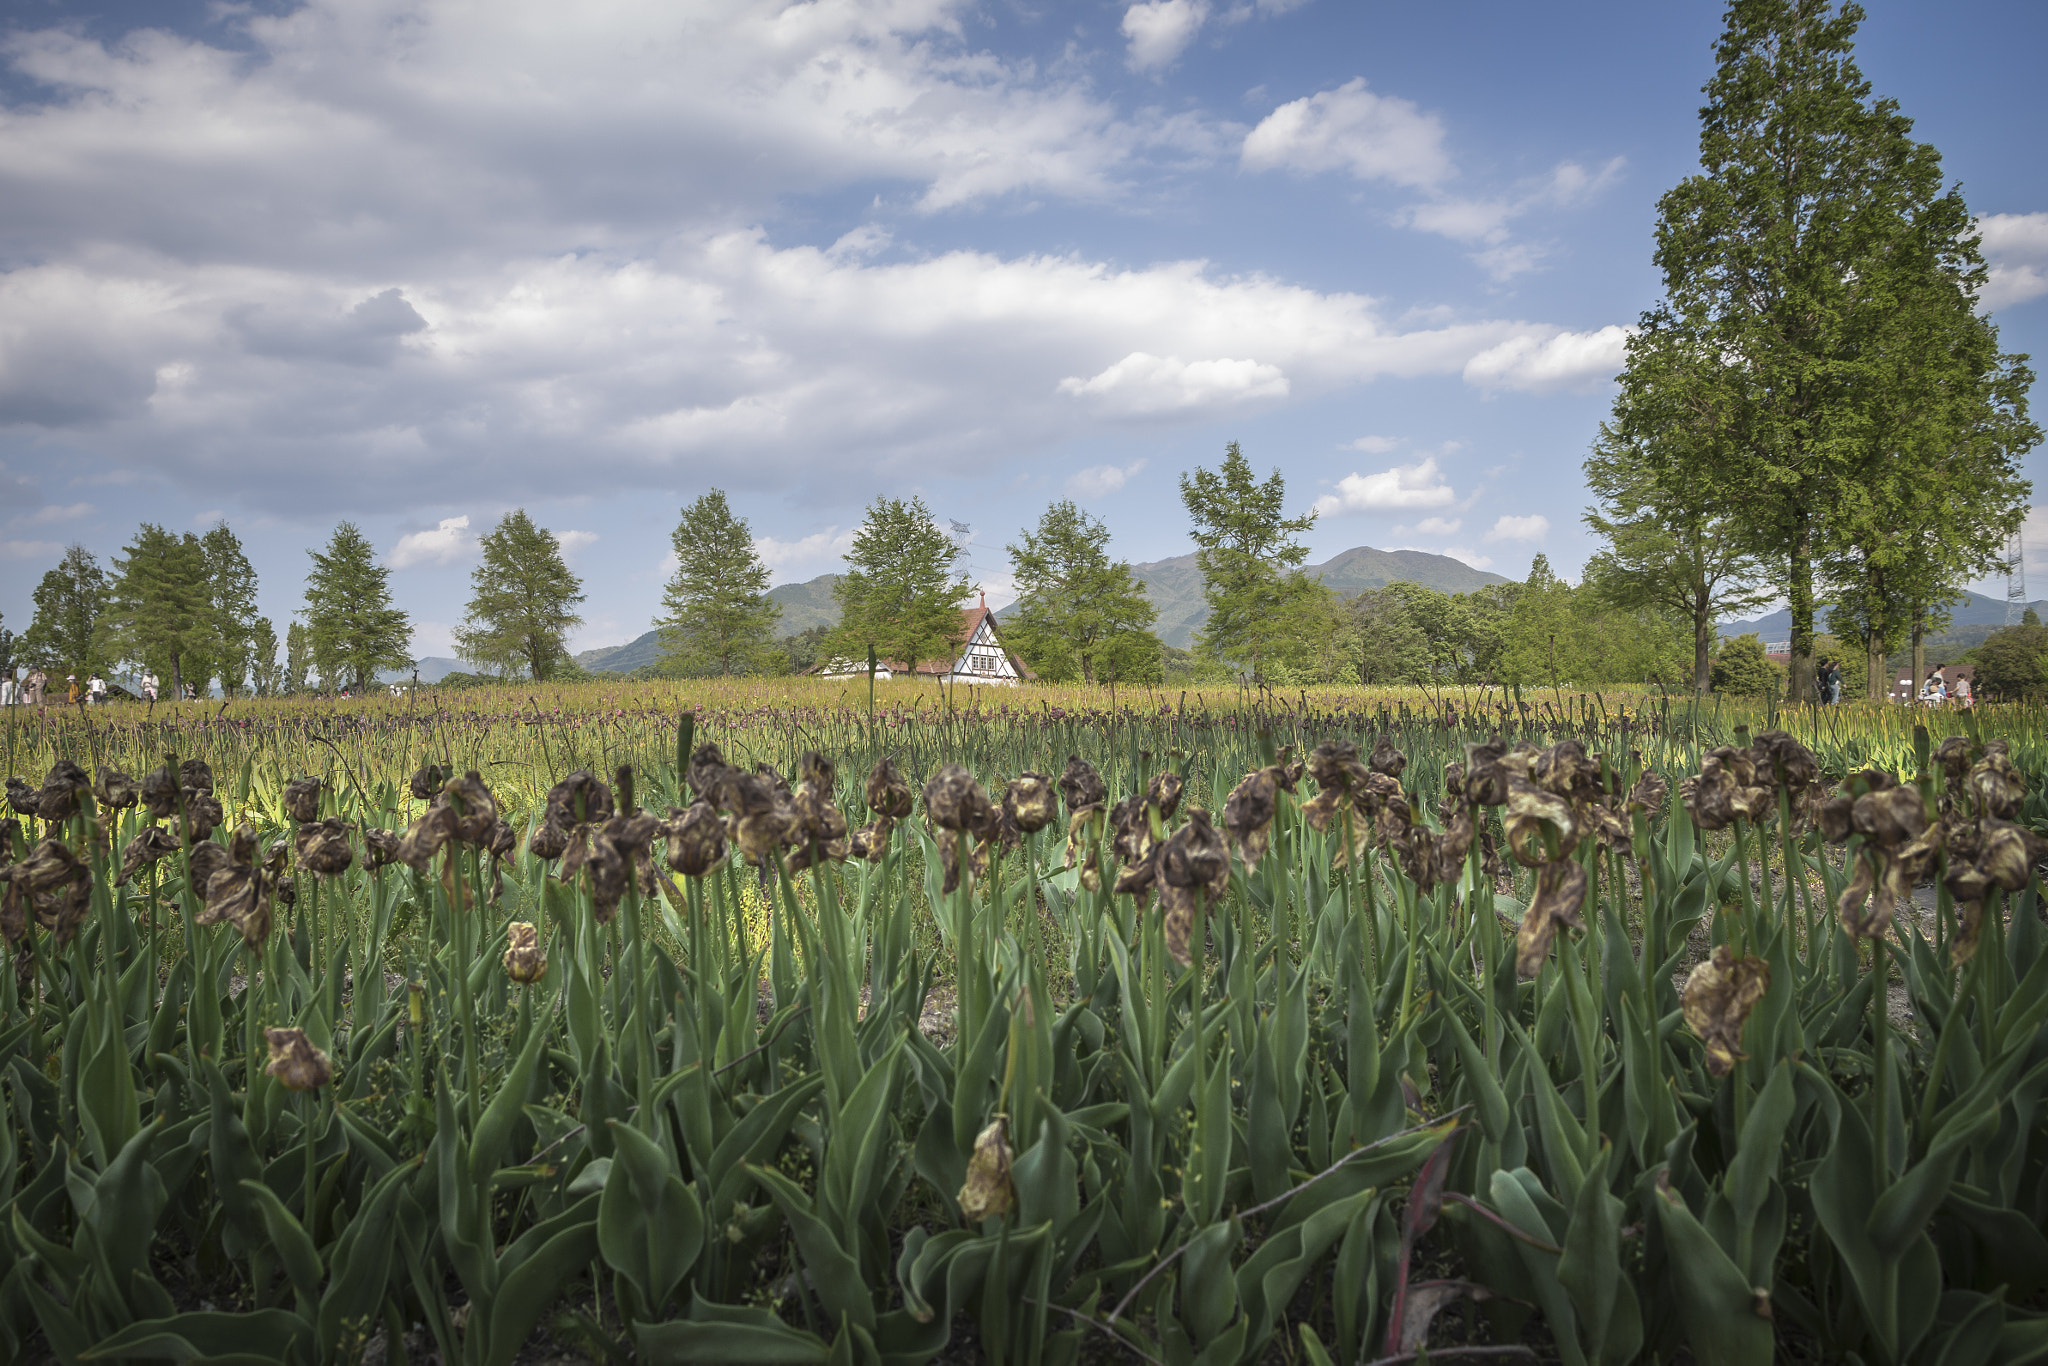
(794, 561)
(1099, 481)
(1471, 557)
(1373, 137)
(573, 541)
(1563, 360)
(1483, 223)
(1403, 487)
(2016, 250)
(445, 544)
(1158, 31)
(1431, 526)
(1533, 527)
(47, 515)
(1141, 383)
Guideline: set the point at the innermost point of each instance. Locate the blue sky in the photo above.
(418, 264)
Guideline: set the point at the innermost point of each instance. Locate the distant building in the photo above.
(978, 656)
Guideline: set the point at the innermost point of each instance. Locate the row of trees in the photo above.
(1815, 410)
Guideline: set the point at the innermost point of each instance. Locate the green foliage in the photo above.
(352, 629)
(1818, 342)
(2030, 618)
(66, 635)
(2012, 664)
(1250, 561)
(720, 620)
(160, 610)
(266, 674)
(900, 594)
(1080, 614)
(522, 602)
(231, 600)
(1392, 646)
(1742, 669)
(298, 657)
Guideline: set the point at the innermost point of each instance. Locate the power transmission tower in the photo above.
(2015, 578)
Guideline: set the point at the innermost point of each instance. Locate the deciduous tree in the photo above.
(720, 619)
(1073, 599)
(900, 594)
(1250, 561)
(160, 608)
(231, 594)
(522, 602)
(266, 674)
(353, 630)
(66, 636)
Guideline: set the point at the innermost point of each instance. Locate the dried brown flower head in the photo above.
(525, 961)
(1560, 891)
(322, 846)
(1386, 759)
(763, 817)
(954, 801)
(1193, 872)
(57, 886)
(1029, 802)
(709, 774)
(22, 798)
(1080, 785)
(988, 1192)
(1718, 997)
(1248, 815)
(380, 846)
(696, 839)
(1780, 759)
(295, 1062)
(887, 793)
(302, 800)
(59, 798)
(821, 826)
(114, 790)
(195, 775)
(153, 843)
(1997, 787)
(426, 783)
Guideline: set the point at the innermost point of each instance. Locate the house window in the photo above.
(984, 664)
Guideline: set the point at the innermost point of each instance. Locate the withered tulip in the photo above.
(295, 1062)
(988, 1191)
(1719, 994)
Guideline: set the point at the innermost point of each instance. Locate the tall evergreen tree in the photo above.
(159, 610)
(66, 636)
(522, 602)
(353, 629)
(1677, 542)
(900, 594)
(266, 674)
(1074, 601)
(718, 616)
(1250, 561)
(1803, 268)
(298, 657)
(231, 593)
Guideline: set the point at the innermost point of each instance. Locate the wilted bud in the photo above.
(1080, 785)
(202, 813)
(1889, 818)
(57, 886)
(426, 784)
(1248, 815)
(1649, 793)
(1718, 996)
(1836, 817)
(160, 792)
(1453, 843)
(954, 801)
(1850, 909)
(1998, 788)
(2007, 853)
(887, 793)
(1486, 782)
(205, 860)
(502, 841)
(871, 841)
(22, 798)
(988, 1192)
(295, 1062)
(525, 961)
(764, 817)
(1162, 794)
(302, 800)
(696, 839)
(1530, 810)
(426, 837)
(153, 843)
(59, 798)
(1334, 764)
(1130, 829)
(1967, 885)
(821, 826)
(1955, 755)
(380, 846)
(1781, 758)
(476, 810)
(1711, 798)
(1560, 891)
(323, 846)
(196, 775)
(619, 850)
(1029, 802)
(114, 790)
(13, 906)
(709, 773)
(1386, 759)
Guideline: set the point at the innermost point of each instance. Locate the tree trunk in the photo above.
(1875, 670)
(1702, 650)
(177, 680)
(1088, 669)
(1799, 684)
(1919, 653)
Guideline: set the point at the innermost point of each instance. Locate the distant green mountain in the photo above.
(804, 605)
(1175, 585)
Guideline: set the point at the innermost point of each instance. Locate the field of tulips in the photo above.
(1341, 1028)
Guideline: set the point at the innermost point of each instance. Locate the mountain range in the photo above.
(1174, 585)
(1970, 621)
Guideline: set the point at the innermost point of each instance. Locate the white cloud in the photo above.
(1142, 383)
(433, 638)
(796, 561)
(2016, 249)
(1160, 30)
(1372, 445)
(446, 544)
(1471, 557)
(1099, 481)
(47, 515)
(1533, 527)
(1560, 361)
(1484, 222)
(1431, 526)
(1420, 485)
(30, 550)
(1374, 137)
(573, 541)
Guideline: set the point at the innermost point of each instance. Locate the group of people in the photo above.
(37, 689)
(1938, 691)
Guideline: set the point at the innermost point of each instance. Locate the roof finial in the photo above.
(983, 595)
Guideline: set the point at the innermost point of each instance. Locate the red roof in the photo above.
(970, 622)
